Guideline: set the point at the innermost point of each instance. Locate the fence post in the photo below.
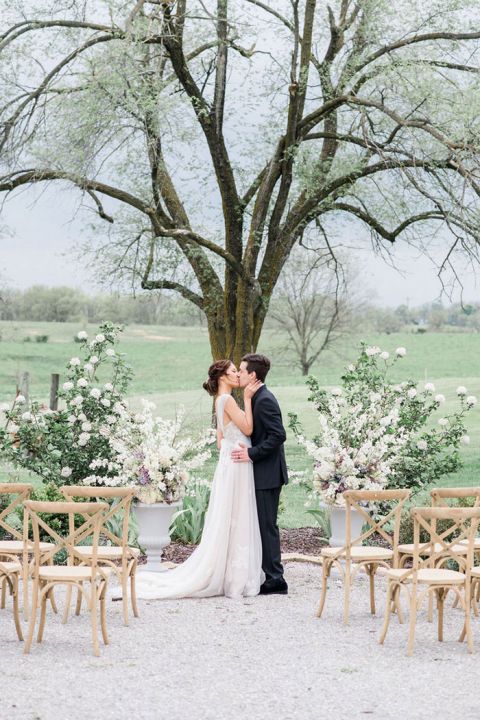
(25, 386)
(54, 391)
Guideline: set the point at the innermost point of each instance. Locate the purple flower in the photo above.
(144, 477)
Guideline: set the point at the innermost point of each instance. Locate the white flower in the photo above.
(82, 335)
(104, 430)
(100, 338)
(68, 385)
(75, 361)
(83, 439)
(412, 393)
(118, 408)
(372, 350)
(20, 400)
(336, 391)
(351, 367)
(465, 439)
(400, 352)
(86, 426)
(105, 402)
(397, 388)
(422, 445)
(461, 390)
(111, 419)
(384, 355)
(443, 421)
(110, 352)
(77, 400)
(66, 472)
(72, 419)
(95, 393)
(88, 368)
(82, 417)
(440, 398)
(471, 400)
(108, 387)
(429, 387)
(93, 360)
(82, 383)
(27, 416)
(4, 406)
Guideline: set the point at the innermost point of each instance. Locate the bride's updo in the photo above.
(215, 372)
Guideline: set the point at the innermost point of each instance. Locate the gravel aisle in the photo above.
(264, 658)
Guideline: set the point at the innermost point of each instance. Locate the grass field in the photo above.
(170, 364)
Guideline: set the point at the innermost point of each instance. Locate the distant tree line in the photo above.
(65, 304)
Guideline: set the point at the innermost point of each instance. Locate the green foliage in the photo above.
(187, 523)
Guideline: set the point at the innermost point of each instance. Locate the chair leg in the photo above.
(371, 576)
(33, 618)
(78, 606)
(388, 611)
(325, 574)
(397, 605)
(133, 591)
(16, 612)
(43, 615)
(103, 614)
(68, 600)
(440, 605)
(4, 593)
(125, 597)
(25, 582)
(413, 620)
(94, 620)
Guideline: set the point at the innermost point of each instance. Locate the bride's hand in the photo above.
(250, 389)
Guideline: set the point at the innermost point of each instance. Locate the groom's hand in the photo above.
(241, 455)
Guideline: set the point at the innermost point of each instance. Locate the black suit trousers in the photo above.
(267, 508)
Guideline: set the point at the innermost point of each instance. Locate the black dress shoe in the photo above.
(276, 587)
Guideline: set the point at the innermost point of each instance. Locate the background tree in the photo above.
(211, 137)
(313, 305)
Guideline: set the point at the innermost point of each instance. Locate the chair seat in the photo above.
(70, 572)
(476, 571)
(105, 552)
(476, 543)
(431, 576)
(360, 553)
(9, 567)
(15, 547)
(408, 549)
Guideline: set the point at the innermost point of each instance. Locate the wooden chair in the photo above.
(121, 558)
(10, 572)
(355, 556)
(46, 576)
(19, 548)
(427, 572)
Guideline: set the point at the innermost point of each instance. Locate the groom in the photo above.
(269, 468)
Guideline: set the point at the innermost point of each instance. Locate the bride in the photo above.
(228, 560)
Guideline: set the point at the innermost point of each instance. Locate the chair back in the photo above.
(93, 514)
(357, 499)
(121, 503)
(20, 492)
(440, 496)
(441, 544)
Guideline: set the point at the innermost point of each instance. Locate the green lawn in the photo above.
(170, 364)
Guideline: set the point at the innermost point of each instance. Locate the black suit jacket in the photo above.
(267, 453)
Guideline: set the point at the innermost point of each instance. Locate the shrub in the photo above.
(187, 523)
(41, 338)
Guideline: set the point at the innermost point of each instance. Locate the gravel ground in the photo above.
(262, 658)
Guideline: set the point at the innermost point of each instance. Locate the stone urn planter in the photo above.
(338, 525)
(154, 521)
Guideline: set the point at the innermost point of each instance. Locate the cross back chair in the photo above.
(119, 556)
(354, 556)
(46, 576)
(427, 571)
(18, 548)
(10, 572)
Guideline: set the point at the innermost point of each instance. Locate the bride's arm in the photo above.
(243, 419)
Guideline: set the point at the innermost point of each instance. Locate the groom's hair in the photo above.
(259, 364)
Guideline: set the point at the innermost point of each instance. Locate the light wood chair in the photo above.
(427, 571)
(119, 556)
(354, 556)
(10, 572)
(19, 548)
(46, 576)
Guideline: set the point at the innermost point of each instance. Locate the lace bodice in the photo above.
(231, 433)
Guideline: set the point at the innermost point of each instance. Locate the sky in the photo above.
(41, 230)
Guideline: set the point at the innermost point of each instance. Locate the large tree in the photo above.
(212, 136)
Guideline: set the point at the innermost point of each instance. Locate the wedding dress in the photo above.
(228, 560)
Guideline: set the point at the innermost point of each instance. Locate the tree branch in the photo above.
(171, 285)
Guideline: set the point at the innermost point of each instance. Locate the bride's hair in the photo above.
(215, 372)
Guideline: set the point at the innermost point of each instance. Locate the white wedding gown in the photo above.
(228, 560)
